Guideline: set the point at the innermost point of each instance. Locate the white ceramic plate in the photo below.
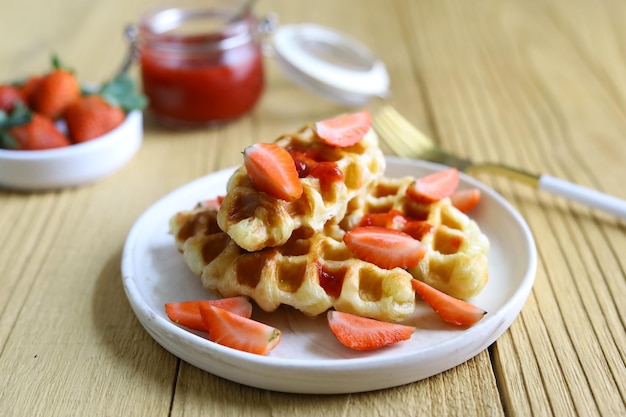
(73, 165)
(309, 359)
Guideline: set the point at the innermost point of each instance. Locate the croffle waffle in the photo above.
(456, 255)
(311, 272)
(255, 220)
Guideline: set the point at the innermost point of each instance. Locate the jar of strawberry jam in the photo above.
(200, 61)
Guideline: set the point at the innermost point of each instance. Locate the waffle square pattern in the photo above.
(293, 253)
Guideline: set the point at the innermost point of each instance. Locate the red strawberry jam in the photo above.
(198, 78)
(330, 281)
(328, 173)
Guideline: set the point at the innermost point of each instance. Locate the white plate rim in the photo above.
(335, 375)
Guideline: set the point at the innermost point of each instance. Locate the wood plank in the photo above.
(475, 380)
(525, 78)
(539, 84)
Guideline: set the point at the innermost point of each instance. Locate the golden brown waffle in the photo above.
(315, 271)
(255, 220)
(292, 253)
(456, 258)
(311, 272)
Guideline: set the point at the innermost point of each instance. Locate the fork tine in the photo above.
(388, 134)
(401, 136)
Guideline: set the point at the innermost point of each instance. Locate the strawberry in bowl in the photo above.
(55, 133)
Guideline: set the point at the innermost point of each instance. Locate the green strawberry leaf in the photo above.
(121, 92)
(7, 141)
(19, 116)
(57, 64)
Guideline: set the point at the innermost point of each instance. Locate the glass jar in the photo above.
(201, 61)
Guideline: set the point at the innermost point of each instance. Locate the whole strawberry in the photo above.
(24, 130)
(9, 96)
(55, 91)
(93, 115)
(28, 87)
(90, 117)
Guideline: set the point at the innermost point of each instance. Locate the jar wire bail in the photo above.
(131, 34)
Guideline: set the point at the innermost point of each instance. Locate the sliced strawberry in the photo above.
(465, 200)
(272, 170)
(238, 332)
(386, 248)
(450, 309)
(361, 333)
(417, 229)
(435, 186)
(214, 202)
(187, 313)
(345, 130)
(393, 219)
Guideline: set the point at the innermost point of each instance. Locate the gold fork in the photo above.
(407, 141)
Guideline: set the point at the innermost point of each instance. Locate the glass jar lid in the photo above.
(330, 63)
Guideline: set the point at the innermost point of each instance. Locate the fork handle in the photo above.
(583, 195)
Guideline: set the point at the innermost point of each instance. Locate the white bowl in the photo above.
(73, 165)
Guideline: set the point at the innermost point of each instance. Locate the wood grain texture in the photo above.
(539, 84)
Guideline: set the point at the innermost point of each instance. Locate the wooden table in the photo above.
(539, 84)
